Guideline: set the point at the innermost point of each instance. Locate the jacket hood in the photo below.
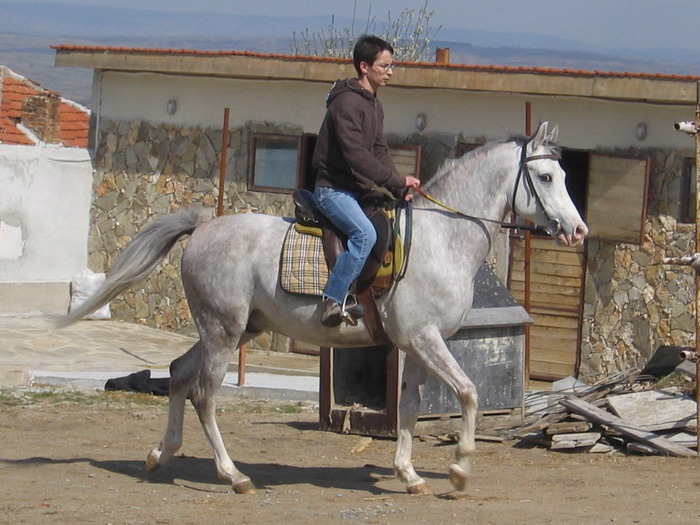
(345, 86)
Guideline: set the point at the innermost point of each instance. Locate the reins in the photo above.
(502, 224)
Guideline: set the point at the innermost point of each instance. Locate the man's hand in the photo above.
(411, 182)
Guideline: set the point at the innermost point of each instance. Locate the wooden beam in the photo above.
(606, 418)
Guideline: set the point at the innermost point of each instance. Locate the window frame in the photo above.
(255, 139)
(688, 191)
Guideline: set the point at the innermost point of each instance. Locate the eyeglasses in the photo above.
(385, 67)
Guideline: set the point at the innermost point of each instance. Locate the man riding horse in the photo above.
(352, 158)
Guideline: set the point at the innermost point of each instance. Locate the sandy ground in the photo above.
(80, 459)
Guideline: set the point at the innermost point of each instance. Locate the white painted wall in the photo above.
(583, 123)
(45, 196)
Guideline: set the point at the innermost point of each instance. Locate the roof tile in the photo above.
(14, 90)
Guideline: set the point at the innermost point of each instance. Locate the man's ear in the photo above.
(364, 67)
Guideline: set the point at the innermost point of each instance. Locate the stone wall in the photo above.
(143, 171)
(633, 302)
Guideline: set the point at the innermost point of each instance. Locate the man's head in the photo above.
(373, 61)
(367, 49)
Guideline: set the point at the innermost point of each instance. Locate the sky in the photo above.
(631, 24)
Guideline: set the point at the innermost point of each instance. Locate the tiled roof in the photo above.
(465, 67)
(74, 120)
(11, 134)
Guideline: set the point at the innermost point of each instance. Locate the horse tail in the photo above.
(140, 257)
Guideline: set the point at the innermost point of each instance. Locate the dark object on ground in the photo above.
(664, 361)
(140, 382)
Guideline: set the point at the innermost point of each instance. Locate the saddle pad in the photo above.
(303, 268)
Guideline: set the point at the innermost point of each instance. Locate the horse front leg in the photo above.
(413, 378)
(432, 352)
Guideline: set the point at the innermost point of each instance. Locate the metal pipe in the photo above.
(689, 355)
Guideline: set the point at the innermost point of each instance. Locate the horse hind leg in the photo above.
(183, 371)
(413, 378)
(203, 397)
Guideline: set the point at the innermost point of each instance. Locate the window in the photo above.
(274, 163)
(688, 191)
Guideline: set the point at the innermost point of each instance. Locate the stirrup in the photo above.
(355, 310)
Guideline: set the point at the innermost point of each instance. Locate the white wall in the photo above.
(45, 196)
(583, 123)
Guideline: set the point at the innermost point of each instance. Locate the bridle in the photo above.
(553, 226)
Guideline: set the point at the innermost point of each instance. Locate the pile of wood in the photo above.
(631, 415)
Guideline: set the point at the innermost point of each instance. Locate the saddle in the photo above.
(383, 263)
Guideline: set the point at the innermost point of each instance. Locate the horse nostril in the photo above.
(581, 231)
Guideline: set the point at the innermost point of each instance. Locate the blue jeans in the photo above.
(343, 210)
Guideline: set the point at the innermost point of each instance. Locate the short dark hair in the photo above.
(367, 48)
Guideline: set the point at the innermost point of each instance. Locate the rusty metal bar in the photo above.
(222, 167)
(527, 262)
(219, 212)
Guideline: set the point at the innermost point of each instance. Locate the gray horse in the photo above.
(230, 275)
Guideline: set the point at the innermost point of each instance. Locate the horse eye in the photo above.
(545, 177)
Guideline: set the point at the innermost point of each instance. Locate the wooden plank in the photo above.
(554, 335)
(550, 257)
(547, 288)
(519, 275)
(555, 321)
(548, 369)
(577, 440)
(568, 427)
(643, 436)
(551, 301)
(655, 409)
(547, 244)
(558, 270)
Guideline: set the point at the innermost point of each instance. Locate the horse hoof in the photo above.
(419, 489)
(458, 477)
(245, 487)
(152, 460)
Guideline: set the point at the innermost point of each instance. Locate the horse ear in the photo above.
(553, 135)
(539, 138)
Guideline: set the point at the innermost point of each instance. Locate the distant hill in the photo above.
(25, 38)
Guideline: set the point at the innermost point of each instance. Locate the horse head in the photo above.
(540, 193)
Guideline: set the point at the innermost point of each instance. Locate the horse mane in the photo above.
(482, 151)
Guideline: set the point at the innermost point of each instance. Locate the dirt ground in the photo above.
(75, 458)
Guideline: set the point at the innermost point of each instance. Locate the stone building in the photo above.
(157, 135)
